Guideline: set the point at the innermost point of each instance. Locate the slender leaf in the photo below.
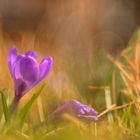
(5, 107)
(27, 107)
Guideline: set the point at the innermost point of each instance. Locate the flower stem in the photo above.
(14, 104)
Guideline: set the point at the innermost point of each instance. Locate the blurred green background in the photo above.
(78, 34)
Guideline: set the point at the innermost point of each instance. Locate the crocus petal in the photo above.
(88, 118)
(82, 109)
(26, 73)
(20, 87)
(12, 55)
(31, 54)
(26, 69)
(45, 67)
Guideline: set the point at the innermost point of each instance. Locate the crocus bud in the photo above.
(76, 109)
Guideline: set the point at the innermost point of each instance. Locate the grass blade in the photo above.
(5, 108)
(27, 107)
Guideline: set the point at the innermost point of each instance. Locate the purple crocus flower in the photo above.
(26, 71)
(76, 109)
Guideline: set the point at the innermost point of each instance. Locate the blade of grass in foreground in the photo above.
(5, 108)
(27, 107)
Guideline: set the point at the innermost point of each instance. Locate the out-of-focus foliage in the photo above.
(79, 35)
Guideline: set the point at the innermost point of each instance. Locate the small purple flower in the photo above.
(76, 109)
(26, 71)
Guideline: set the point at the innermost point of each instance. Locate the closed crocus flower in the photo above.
(26, 71)
(76, 109)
